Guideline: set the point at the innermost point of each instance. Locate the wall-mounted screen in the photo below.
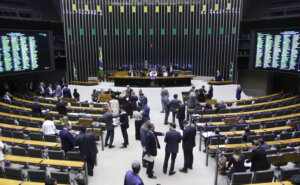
(277, 50)
(25, 51)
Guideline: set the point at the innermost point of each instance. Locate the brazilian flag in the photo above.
(75, 73)
(231, 72)
(100, 63)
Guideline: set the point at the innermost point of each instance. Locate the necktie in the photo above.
(155, 140)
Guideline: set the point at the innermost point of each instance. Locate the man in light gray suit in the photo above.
(174, 107)
(143, 131)
(163, 93)
(166, 105)
(192, 99)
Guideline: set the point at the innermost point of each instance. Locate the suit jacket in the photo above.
(238, 93)
(132, 179)
(188, 138)
(67, 93)
(58, 91)
(146, 114)
(87, 145)
(48, 92)
(166, 103)
(210, 93)
(163, 92)
(67, 140)
(133, 73)
(61, 108)
(174, 105)
(124, 120)
(192, 100)
(152, 143)
(218, 77)
(133, 100)
(172, 138)
(36, 108)
(181, 112)
(259, 160)
(108, 119)
(143, 132)
(39, 91)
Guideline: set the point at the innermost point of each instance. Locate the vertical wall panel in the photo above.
(205, 36)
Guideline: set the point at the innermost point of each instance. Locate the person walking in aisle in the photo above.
(108, 119)
(188, 143)
(163, 92)
(166, 104)
(124, 127)
(181, 114)
(172, 139)
(174, 107)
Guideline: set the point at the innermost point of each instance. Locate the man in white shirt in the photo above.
(49, 126)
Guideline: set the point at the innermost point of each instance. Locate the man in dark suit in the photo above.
(124, 127)
(181, 114)
(218, 76)
(172, 138)
(188, 143)
(67, 139)
(49, 91)
(166, 104)
(174, 107)
(36, 107)
(145, 111)
(67, 92)
(61, 108)
(88, 149)
(40, 90)
(108, 120)
(239, 91)
(132, 177)
(151, 144)
(143, 132)
(131, 73)
(170, 70)
(258, 158)
(220, 106)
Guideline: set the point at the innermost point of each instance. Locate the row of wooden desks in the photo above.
(257, 131)
(40, 144)
(79, 165)
(18, 182)
(53, 105)
(274, 183)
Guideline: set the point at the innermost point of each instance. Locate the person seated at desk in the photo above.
(237, 160)
(7, 96)
(263, 144)
(220, 106)
(218, 76)
(153, 73)
(49, 126)
(131, 73)
(36, 107)
(61, 107)
(109, 91)
(241, 122)
(247, 134)
(216, 134)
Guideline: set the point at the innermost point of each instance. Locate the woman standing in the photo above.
(238, 161)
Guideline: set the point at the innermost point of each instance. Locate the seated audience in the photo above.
(215, 135)
(263, 144)
(207, 106)
(237, 160)
(132, 177)
(258, 158)
(61, 108)
(36, 107)
(247, 134)
(240, 122)
(67, 139)
(49, 126)
(76, 95)
(220, 106)
(67, 92)
(131, 73)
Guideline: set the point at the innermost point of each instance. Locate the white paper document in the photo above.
(150, 159)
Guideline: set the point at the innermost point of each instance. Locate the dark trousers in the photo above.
(143, 160)
(125, 135)
(166, 116)
(150, 166)
(173, 116)
(167, 155)
(188, 158)
(138, 124)
(181, 124)
(110, 135)
(90, 164)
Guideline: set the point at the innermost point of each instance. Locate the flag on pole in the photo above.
(75, 73)
(231, 71)
(100, 63)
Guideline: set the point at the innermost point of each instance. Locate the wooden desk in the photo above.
(10, 182)
(42, 144)
(283, 158)
(63, 163)
(22, 159)
(11, 127)
(278, 129)
(253, 99)
(32, 129)
(213, 82)
(11, 140)
(274, 183)
(227, 146)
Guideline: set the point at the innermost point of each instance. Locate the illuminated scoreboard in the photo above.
(278, 50)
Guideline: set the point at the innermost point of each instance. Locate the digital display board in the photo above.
(24, 51)
(277, 50)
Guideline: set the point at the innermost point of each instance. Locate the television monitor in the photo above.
(25, 51)
(276, 50)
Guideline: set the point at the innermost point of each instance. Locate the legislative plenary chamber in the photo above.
(96, 92)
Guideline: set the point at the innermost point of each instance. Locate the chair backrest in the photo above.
(268, 137)
(251, 138)
(9, 121)
(241, 178)
(37, 175)
(247, 154)
(210, 128)
(36, 136)
(254, 126)
(271, 151)
(296, 134)
(59, 126)
(216, 141)
(18, 151)
(17, 134)
(6, 133)
(50, 138)
(287, 135)
(61, 177)
(74, 156)
(53, 154)
(286, 174)
(283, 150)
(241, 127)
(263, 176)
(235, 140)
(23, 123)
(224, 128)
(33, 124)
(13, 173)
(34, 152)
(270, 124)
